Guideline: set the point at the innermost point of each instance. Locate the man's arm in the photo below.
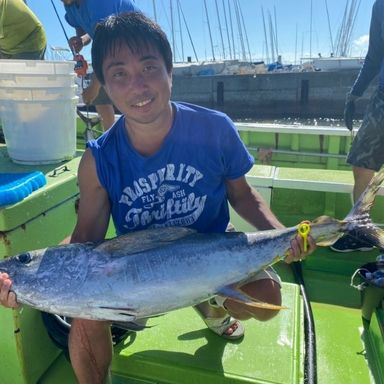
(94, 208)
(250, 205)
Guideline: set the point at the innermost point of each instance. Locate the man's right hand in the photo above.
(7, 297)
(349, 111)
(76, 43)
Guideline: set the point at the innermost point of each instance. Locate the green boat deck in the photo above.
(178, 348)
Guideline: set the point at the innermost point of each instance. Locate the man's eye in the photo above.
(25, 258)
(118, 75)
(150, 68)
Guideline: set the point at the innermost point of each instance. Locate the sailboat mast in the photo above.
(154, 10)
(329, 27)
(188, 31)
(172, 30)
(220, 29)
(310, 32)
(237, 12)
(275, 34)
(295, 62)
(181, 31)
(226, 28)
(232, 33)
(265, 35)
(271, 37)
(245, 32)
(209, 29)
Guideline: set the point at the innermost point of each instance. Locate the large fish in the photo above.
(154, 271)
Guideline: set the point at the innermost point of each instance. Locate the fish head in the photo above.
(24, 264)
(325, 230)
(46, 273)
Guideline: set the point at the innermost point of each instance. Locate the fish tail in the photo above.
(358, 219)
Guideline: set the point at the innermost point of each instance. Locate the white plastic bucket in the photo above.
(37, 94)
(39, 131)
(22, 80)
(38, 67)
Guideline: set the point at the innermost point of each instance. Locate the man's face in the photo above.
(138, 84)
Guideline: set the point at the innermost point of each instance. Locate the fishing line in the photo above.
(310, 358)
(62, 27)
(81, 64)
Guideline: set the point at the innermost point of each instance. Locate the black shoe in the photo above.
(350, 243)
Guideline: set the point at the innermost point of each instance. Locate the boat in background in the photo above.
(337, 63)
(301, 173)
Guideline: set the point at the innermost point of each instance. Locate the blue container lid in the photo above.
(15, 187)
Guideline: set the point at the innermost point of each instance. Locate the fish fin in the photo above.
(370, 234)
(117, 314)
(236, 294)
(366, 199)
(144, 240)
(358, 219)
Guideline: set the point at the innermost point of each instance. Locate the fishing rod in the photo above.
(81, 64)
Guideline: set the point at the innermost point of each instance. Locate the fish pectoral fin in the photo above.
(234, 293)
(117, 314)
(261, 304)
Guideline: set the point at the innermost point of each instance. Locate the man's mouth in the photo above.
(142, 103)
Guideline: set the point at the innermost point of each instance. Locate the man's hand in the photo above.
(297, 251)
(76, 43)
(349, 110)
(7, 297)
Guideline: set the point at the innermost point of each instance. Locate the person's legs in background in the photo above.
(366, 156)
(107, 115)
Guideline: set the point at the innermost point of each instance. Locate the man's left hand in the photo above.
(297, 252)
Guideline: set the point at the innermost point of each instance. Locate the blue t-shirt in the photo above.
(183, 183)
(88, 13)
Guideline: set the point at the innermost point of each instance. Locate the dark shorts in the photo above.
(367, 150)
(102, 98)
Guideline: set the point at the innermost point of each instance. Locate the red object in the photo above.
(81, 65)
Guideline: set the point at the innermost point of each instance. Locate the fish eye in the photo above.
(25, 258)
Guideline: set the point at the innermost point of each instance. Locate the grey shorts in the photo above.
(102, 98)
(367, 149)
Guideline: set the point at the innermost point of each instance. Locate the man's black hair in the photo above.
(132, 29)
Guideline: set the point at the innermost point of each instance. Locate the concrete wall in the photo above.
(274, 95)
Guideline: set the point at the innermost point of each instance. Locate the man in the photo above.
(367, 152)
(84, 15)
(22, 36)
(162, 163)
